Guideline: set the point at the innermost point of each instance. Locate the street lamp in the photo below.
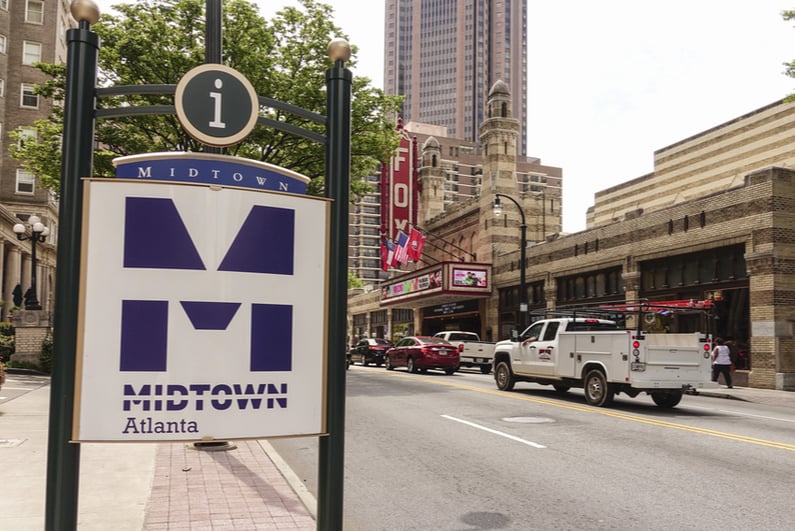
(522, 258)
(38, 233)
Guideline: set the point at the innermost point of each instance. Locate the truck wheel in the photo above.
(561, 388)
(388, 364)
(485, 369)
(597, 392)
(666, 399)
(410, 365)
(503, 376)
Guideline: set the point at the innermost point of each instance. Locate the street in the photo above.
(18, 384)
(451, 452)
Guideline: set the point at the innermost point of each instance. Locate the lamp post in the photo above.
(522, 258)
(38, 233)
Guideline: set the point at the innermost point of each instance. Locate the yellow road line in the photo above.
(607, 412)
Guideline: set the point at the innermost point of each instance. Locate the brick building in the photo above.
(31, 31)
(714, 220)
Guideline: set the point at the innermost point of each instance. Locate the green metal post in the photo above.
(338, 163)
(63, 457)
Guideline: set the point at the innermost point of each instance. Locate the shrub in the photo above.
(45, 360)
(7, 337)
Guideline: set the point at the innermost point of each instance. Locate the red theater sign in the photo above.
(399, 188)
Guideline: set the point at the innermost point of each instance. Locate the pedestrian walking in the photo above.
(721, 362)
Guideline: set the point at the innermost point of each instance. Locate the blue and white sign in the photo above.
(210, 168)
(203, 313)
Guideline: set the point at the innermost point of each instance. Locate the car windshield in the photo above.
(434, 341)
(463, 336)
(591, 325)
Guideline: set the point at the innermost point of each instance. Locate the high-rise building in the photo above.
(443, 56)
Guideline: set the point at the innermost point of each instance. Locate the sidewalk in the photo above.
(150, 486)
(750, 394)
(169, 486)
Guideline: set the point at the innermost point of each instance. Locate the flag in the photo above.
(387, 253)
(401, 249)
(416, 242)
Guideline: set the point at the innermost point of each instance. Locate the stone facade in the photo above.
(31, 328)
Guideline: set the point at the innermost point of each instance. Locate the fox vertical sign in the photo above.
(202, 313)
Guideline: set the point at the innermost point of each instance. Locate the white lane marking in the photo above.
(740, 413)
(495, 432)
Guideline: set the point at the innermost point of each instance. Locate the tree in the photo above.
(354, 281)
(790, 66)
(158, 41)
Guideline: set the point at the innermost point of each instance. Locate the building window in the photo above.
(4, 5)
(29, 99)
(25, 182)
(3, 43)
(25, 134)
(34, 12)
(31, 52)
(2, 88)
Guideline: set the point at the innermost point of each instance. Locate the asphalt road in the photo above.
(451, 452)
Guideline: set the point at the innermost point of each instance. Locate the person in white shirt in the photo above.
(721, 362)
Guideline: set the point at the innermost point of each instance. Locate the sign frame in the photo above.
(196, 397)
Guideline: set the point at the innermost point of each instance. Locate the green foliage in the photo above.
(285, 58)
(354, 281)
(789, 66)
(45, 360)
(7, 341)
(29, 365)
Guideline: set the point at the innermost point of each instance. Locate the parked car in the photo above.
(368, 351)
(420, 353)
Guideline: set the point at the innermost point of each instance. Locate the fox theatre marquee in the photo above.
(443, 293)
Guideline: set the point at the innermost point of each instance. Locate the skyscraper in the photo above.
(445, 55)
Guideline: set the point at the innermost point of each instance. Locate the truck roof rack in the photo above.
(619, 310)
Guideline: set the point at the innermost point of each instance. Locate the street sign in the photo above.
(202, 313)
(216, 105)
(210, 168)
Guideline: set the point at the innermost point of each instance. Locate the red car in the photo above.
(423, 353)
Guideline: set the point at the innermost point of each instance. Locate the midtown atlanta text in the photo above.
(199, 397)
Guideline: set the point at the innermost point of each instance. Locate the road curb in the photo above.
(714, 394)
(18, 370)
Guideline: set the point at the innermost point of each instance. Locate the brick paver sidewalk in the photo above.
(238, 489)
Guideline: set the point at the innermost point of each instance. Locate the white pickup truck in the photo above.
(473, 351)
(604, 359)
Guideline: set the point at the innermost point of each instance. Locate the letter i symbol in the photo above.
(216, 96)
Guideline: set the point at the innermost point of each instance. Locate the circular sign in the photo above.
(216, 105)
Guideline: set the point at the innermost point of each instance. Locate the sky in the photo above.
(611, 82)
